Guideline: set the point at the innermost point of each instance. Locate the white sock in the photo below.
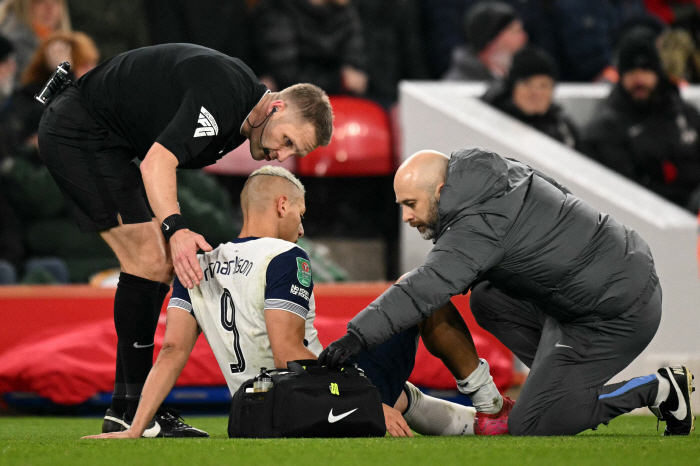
(480, 388)
(433, 416)
(664, 391)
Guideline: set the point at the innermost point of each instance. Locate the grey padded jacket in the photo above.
(502, 221)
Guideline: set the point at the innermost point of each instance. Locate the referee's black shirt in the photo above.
(190, 99)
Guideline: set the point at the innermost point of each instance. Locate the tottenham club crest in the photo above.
(209, 126)
(303, 272)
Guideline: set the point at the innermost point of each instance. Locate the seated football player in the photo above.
(256, 308)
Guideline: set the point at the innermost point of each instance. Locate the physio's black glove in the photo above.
(341, 350)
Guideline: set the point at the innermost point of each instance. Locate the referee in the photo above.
(171, 106)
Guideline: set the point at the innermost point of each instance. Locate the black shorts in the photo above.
(94, 170)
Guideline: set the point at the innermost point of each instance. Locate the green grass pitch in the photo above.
(52, 441)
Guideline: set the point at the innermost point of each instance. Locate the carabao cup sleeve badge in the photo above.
(303, 271)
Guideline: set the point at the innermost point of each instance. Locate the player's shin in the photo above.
(480, 388)
(433, 416)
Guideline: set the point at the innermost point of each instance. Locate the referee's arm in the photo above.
(158, 171)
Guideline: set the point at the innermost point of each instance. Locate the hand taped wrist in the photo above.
(172, 224)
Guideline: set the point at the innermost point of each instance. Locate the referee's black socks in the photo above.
(137, 306)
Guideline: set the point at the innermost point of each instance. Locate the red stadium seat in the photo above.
(361, 144)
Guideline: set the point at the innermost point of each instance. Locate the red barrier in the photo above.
(60, 342)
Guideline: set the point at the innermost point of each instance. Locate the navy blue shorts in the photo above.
(390, 364)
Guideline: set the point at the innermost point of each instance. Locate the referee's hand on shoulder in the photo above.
(184, 245)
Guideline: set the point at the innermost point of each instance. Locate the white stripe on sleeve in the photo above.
(182, 304)
(285, 305)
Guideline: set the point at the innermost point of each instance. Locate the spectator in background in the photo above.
(680, 42)
(644, 130)
(579, 34)
(26, 22)
(312, 41)
(526, 94)
(22, 115)
(115, 25)
(222, 25)
(494, 33)
(11, 249)
(673, 11)
(585, 34)
(12, 121)
(8, 70)
(75, 47)
(442, 22)
(25, 182)
(394, 46)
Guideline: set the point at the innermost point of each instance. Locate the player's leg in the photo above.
(428, 415)
(446, 336)
(389, 365)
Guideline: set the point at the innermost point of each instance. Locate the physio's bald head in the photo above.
(424, 170)
(266, 185)
(417, 184)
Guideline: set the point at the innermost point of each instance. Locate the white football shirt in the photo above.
(242, 279)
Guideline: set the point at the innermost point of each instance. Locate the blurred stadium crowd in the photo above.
(647, 50)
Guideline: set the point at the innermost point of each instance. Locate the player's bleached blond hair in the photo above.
(276, 170)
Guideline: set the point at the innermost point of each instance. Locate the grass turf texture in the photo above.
(629, 440)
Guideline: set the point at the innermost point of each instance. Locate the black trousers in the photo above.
(565, 392)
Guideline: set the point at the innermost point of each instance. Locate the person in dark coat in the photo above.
(644, 130)
(222, 25)
(571, 291)
(526, 94)
(118, 26)
(494, 33)
(393, 45)
(314, 41)
(580, 35)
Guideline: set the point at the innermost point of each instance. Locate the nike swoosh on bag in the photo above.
(136, 345)
(332, 418)
(562, 346)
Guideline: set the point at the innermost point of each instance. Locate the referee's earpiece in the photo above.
(266, 151)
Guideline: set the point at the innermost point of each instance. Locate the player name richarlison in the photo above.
(237, 265)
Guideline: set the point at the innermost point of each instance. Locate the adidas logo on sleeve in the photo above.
(209, 126)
